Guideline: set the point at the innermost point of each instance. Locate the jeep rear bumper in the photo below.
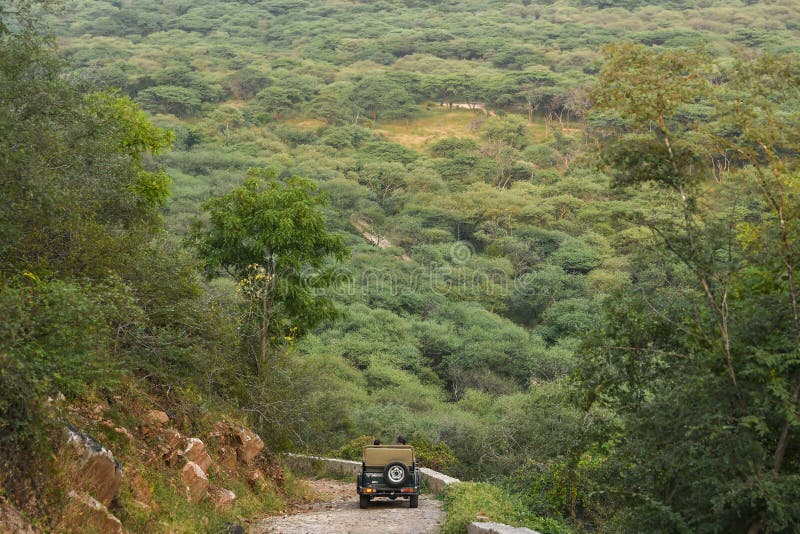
(386, 491)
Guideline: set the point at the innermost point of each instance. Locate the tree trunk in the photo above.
(264, 327)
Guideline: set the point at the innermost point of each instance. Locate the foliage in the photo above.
(466, 500)
(82, 180)
(496, 251)
(434, 455)
(353, 449)
(700, 347)
(269, 235)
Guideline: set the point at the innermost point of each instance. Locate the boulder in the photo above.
(171, 438)
(195, 480)
(91, 467)
(125, 433)
(249, 445)
(170, 446)
(156, 417)
(195, 451)
(226, 457)
(223, 498)
(86, 514)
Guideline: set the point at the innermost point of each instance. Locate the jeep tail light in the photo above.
(407, 490)
(368, 490)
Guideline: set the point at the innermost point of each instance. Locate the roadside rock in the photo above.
(195, 480)
(246, 444)
(86, 514)
(226, 457)
(156, 417)
(196, 452)
(125, 433)
(170, 441)
(249, 445)
(223, 498)
(171, 438)
(92, 468)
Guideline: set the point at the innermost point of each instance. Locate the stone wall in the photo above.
(335, 466)
(434, 480)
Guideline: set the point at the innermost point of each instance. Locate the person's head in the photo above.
(377, 442)
(401, 440)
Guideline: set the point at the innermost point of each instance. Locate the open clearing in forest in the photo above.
(435, 122)
(430, 125)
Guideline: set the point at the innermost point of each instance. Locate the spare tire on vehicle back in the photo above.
(395, 474)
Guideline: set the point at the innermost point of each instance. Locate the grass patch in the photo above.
(429, 125)
(466, 502)
(170, 511)
(434, 122)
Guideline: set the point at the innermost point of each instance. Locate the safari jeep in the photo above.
(388, 471)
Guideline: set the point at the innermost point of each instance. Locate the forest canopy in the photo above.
(552, 242)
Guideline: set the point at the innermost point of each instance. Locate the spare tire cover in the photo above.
(395, 474)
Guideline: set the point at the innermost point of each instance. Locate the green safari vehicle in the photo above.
(388, 471)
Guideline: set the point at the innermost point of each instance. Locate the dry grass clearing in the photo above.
(430, 125)
(434, 123)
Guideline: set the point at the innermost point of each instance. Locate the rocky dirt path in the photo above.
(336, 510)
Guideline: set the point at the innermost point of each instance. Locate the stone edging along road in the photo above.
(301, 462)
(434, 480)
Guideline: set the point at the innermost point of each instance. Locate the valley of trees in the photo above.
(553, 242)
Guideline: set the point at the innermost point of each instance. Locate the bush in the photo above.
(352, 449)
(466, 500)
(24, 432)
(576, 256)
(60, 334)
(436, 455)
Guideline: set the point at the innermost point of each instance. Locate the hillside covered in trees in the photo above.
(552, 242)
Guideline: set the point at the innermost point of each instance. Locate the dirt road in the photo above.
(337, 511)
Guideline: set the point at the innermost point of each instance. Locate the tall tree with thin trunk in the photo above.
(270, 236)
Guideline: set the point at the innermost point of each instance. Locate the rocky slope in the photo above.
(121, 467)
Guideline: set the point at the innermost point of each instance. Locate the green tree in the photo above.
(504, 137)
(713, 322)
(78, 191)
(270, 236)
(530, 88)
(381, 96)
(385, 179)
(180, 101)
(334, 104)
